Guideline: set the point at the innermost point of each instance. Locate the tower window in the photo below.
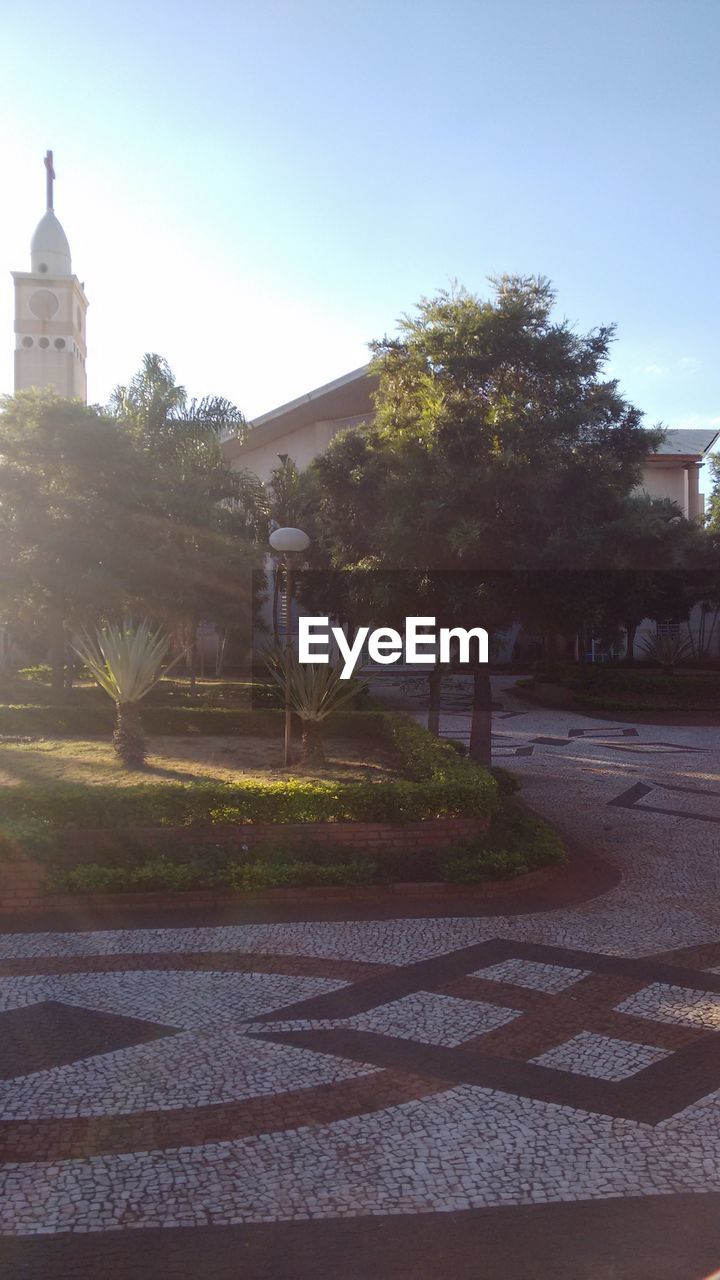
(27, 342)
(43, 342)
(60, 343)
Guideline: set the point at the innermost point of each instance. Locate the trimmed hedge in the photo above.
(608, 688)
(437, 783)
(92, 722)
(518, 843)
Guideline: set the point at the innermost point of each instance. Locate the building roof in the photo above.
(688, 442)
(351, 397)
(346, 397)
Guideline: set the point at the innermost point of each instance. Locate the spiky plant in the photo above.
(668, 650)
(126, 661)
(316, 692)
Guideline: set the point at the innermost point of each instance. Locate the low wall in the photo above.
(364, 837)
(21, 886)
(21, 883)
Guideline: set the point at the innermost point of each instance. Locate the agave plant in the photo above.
(667, 650)
(315, 693)
(126, 661)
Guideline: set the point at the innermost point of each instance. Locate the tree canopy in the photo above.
(499, 448)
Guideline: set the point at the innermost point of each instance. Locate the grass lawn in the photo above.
(218, 759)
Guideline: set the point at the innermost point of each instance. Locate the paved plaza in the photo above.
(529, 1093)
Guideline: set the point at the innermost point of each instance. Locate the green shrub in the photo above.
(158, 874)
(26, 836)
(472, 867)
(506, 781)
(89, 721)
(517, 842)
(438, 783)
(163, 874)
(245, 877)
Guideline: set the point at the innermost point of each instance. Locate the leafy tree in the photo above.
(498, 445)
(71, 538)
(204, 519)
(713, 511)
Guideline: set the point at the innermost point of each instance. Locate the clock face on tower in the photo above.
(43, 304)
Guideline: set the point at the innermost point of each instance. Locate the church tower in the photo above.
(50, 307)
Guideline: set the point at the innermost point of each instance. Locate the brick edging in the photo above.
(378, 894)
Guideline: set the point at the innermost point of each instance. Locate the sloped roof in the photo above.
(688, 442)
(351, 397)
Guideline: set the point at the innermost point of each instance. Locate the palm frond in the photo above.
(316, 691)
(126, 661)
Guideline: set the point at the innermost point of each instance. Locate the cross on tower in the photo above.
(50, 178)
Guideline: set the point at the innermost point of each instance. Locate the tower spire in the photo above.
(50, 177)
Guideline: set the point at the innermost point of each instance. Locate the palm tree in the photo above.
(316, 692)
(126, 662)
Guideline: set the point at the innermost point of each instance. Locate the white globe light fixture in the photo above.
(290, 544)
(289, 540)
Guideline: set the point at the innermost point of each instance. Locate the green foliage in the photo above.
(172, 721)
(26, 836)
(157, 874)
(438, 784)
(667, 650)
(507, 782)
(518, 843)
(39, 674)
(125, 660)
(618, 688)
(246, 877)
(316, 691)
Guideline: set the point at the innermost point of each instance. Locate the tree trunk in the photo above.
(631, 628)
(221, 650)
(56, 637)
(312, 742)
(435, 686)
(129, 737)
(481, 725)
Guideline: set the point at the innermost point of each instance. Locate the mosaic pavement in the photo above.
(201, 1077)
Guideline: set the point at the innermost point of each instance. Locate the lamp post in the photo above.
(289, 544)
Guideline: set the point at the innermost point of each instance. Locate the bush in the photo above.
(506, 781)
(438, 783)
(26, 836)
(518, 842)
(163, 874)
(246, 877)
(171, 721)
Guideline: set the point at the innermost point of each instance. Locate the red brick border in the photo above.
(27, 895)
(362, 837)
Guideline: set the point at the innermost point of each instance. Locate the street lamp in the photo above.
(289, 544)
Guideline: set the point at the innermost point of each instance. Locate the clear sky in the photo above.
(255, 189)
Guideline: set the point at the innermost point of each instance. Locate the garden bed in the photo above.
(644, 695)
(424, 814)
(323, 860)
